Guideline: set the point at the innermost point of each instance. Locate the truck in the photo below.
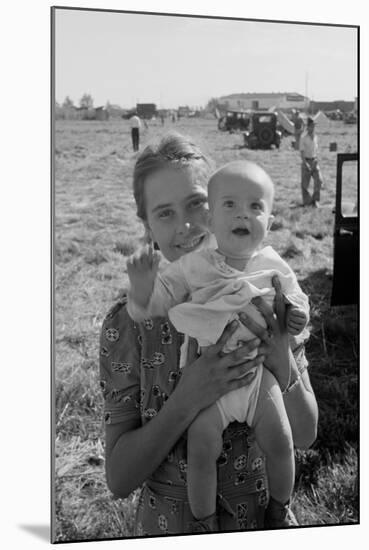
(146, 110)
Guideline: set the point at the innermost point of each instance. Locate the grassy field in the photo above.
(95, 231)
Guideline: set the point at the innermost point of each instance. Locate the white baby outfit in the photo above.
(201, 294)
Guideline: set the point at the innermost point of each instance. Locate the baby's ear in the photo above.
(270, 221)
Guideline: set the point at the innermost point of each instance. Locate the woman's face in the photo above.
(177, 211)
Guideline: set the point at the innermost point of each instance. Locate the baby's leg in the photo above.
(274, 436)
(204, 445)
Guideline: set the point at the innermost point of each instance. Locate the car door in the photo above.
(345, 289)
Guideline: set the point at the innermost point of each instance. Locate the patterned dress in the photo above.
(139, 370)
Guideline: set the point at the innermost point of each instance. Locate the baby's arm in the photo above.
(297, 302)
(298, 308)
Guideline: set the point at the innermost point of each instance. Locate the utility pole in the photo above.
(306, 89)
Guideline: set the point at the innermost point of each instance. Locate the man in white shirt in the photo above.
(135, 124)
(309, 166)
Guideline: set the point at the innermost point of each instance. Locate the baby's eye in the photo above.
(256, 206)
(228, 204)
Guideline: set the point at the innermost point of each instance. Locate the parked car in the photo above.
(336, 114)
(350, 118)
(345, 288)
(264, 131)
(234, 121)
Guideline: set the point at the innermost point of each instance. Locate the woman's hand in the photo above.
(274, 338)
(213, 374)
(142, 268)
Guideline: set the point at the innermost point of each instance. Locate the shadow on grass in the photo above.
(332, 352)
(326, 474)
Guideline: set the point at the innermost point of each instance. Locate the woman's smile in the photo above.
(191, 244)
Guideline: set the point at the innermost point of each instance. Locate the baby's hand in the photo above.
(142, 268)
(296, 320)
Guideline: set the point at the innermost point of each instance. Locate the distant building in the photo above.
(115, 111)
(101, 113)
(65, 112)
(264, 101)
(343, 106)
(93, 113)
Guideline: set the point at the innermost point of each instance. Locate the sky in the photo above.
(136, 58)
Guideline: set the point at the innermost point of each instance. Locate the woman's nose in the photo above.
(184, 227)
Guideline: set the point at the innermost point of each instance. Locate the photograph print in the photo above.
(205, 257)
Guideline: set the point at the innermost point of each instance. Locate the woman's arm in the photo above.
(299, 398)
(133, 453)
(152, 293)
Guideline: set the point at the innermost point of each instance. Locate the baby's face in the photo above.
(240, 209)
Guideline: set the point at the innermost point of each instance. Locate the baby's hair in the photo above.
(242, 166)
(173, 149)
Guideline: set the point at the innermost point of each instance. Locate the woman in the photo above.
(149, 403)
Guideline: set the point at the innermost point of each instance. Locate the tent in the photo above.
(285, 122)
(321, 119)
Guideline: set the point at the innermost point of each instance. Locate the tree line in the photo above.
(85, 101)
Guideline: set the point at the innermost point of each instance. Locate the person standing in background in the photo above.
(299, 128)
(309, 166)
(135, 123)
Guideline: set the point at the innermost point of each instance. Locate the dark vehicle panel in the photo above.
(345, 288)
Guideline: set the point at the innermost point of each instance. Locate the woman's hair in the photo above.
(172, 150)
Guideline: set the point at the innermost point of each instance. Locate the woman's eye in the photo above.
(197, 203)
(164, 214)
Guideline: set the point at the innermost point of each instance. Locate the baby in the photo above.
(201, 293)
